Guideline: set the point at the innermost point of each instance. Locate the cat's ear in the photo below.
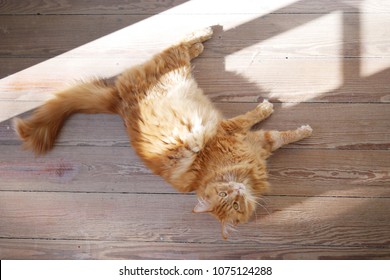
(203, 206)
(227, 228)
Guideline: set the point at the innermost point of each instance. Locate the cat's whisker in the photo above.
(256, 216)
(263, 199)
(230, 227)
(257, 202)
(266, 200)
(263, 206)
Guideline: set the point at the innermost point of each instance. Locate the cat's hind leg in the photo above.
(189, 47)
(199, 36)
(138, 79)
(193, 41)
(264, 110)
(246, 121)
(273, 140)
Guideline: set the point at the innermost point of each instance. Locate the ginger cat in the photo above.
(176, 131)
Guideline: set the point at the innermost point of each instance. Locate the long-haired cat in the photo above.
(176, 131)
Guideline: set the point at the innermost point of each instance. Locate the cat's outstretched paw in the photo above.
(305, 130)
(266, 108)
(199, 36)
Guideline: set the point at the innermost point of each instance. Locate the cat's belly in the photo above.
(167, 131)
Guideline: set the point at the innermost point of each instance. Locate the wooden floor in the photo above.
(325, 63)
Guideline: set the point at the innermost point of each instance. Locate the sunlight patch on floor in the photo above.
(372, 43)
(303, 74)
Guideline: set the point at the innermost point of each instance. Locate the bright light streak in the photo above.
(291, 71)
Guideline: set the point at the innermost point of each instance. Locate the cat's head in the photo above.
(230, 202)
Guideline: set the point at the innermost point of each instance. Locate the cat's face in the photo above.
(230, 202)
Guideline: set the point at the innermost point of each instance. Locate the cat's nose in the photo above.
(239, 191)
(239, 187)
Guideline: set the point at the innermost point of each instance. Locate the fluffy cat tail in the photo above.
(41, 129)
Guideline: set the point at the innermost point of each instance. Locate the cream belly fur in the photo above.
(181, 119)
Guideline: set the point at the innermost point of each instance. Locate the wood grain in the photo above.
(12, 65)
(271, 36)
(93, 249)
(61, 7)
(49, 36)
(118, 170)
(292, 80)
(168, 218)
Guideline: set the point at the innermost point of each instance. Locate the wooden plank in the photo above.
(13, 64)
(79, 169)
(154, 6)
(59, 7)
(330, 173)
(287, 80)
(270, 36)
(331, 124)
(49, 36)
(119, 170)
(92, 249)
(168, 218)
(242, 79)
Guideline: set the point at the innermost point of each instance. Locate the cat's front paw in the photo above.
(200, 36)
(305, 130)
(266, 107)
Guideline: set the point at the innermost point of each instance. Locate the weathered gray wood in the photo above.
(293, 80)
(60, 7)
(92, 249)
(48, 36)
(271, 36)
(117, 169)
(148, 7)
(11, 65)
(325, 221)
